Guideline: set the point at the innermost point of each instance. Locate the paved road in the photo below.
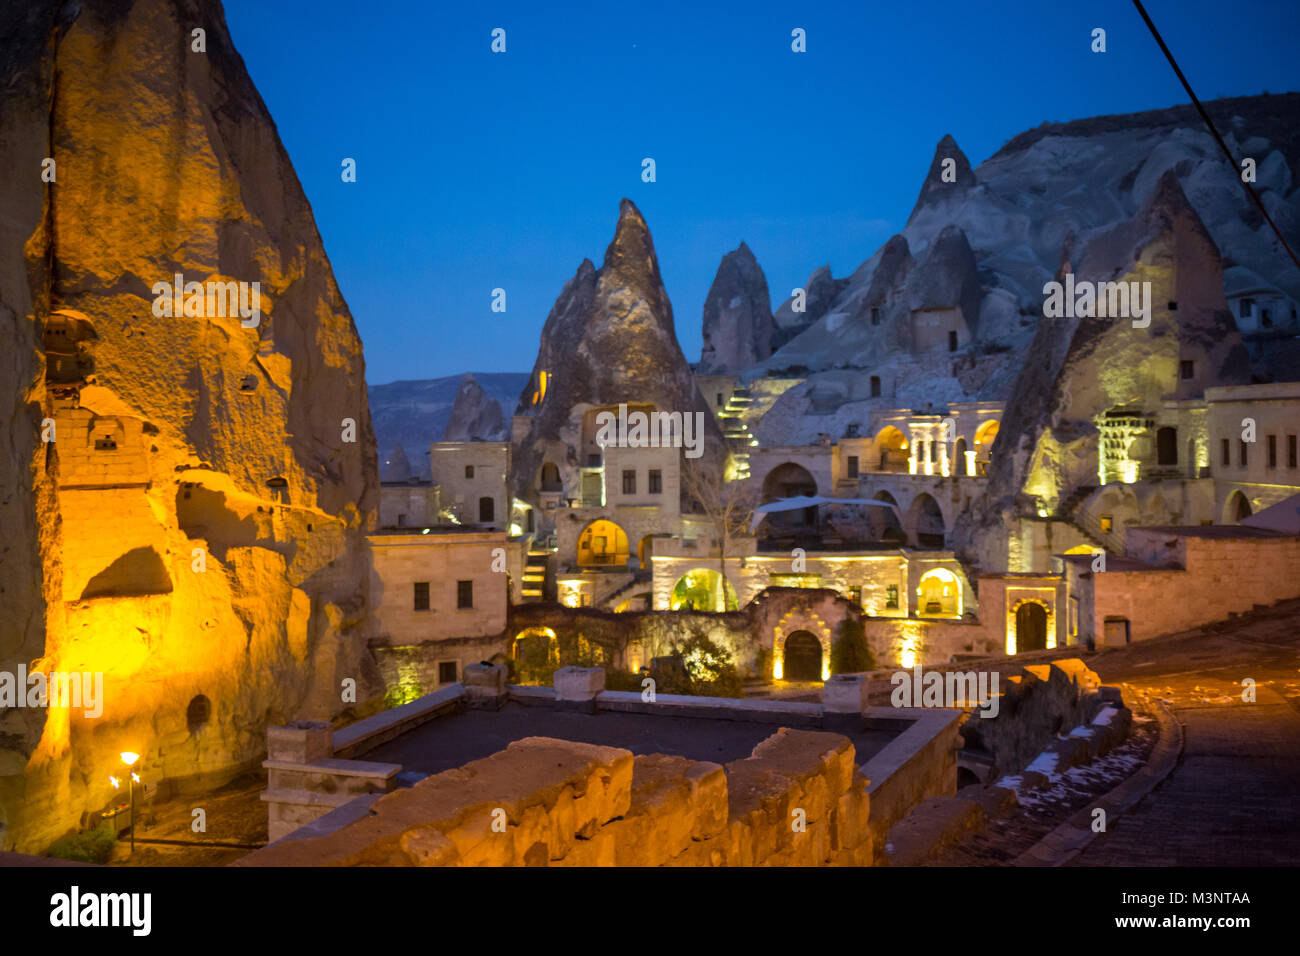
(1234, 797)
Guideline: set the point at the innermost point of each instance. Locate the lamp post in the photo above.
(129, 759)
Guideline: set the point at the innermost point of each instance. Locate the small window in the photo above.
(469, 471)
(851, 431)
(853, 466)
(1173, 306)
(1107, 524)
(1186, 369)
(1272, 451)
(952, 340)
(875, 315)
(891, 597)
(719, 399)
(1290, 451)
(629, 482)
(447, 672)
(487, 509)
(1243, 457)
(1227, 453)
(464, 594)
(1246, 307)
(401, 521)
(249, 383)
(875, 386)
(421, 595)
(105, 443)
(656, 481)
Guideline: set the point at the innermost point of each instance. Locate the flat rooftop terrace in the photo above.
(456, 739)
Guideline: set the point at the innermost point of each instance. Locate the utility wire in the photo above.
(1236, 166)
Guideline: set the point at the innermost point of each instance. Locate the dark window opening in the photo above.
(464, 594)
(1290, 451)
(487, 509)
(875, 386)
(1227, 452)
(105, 443)
(875, 315)
(719, 399)
(1173, 306)
(1272, 451)
(421, 595)
(952, 340)
(447, 672)
(198, 713)
(656, 481)
(891, 597)
(1186, 369)
(1167, 446)
(629, 482)
(1242, 454)
(249, 383)
(853, 466)
(1246, 306)
(469, 471)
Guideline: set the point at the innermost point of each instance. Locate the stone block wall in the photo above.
(797, 800)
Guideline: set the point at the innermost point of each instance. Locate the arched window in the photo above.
(551, 477)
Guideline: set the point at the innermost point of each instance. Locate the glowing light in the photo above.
(129, 758)
(117, 784)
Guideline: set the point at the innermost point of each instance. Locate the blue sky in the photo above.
(478, 170)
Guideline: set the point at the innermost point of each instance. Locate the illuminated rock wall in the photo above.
(196, 526)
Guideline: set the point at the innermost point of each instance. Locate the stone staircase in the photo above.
(736, 431)
(534, 583)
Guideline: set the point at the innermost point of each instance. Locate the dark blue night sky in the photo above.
(478, 171)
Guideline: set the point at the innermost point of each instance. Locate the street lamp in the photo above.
(129, 759)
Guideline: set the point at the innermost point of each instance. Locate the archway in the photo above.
(803, 657)
(959, 465)
(892, 447)
(926, 520)
(885, 525)
(1236, 508)
(703, 589)
(534, 642)
(985, 435)
(939, 593)
(645, 550)
(550, 480)
(601, 544)
(790, 481)
(1031, 627)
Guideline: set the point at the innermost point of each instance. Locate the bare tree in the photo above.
(727, 505)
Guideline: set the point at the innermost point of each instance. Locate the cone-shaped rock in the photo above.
(737, 315)
(193, 529)
(950, 175)
(476, 416)
(397, 467)
(820, 292)
(609, 339)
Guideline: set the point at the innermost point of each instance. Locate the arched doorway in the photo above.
(959, 466)
(985, 435)
(927, 523)
(703, 589)
(645, 550)
(486, 509)
(940, 593)
(892, 448)
(803, 656)
(885, 525)
(551, 477)
(790, 481)
(602, 543)
(1238, 507)
(1031, 627)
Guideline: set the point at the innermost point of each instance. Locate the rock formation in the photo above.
(476, 416)
(820, 291)
(397, 467)
(193, 528)
(950, 176)
(609, 338)
(1047, 447)
(737, 315)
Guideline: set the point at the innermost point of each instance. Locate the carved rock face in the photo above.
(738, 325)
(196, 527)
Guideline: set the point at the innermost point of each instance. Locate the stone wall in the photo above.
(796, 801)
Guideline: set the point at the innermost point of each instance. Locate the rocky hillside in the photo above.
(192, 526)
(987, 241)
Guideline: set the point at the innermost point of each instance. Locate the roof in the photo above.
(1283, 517)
